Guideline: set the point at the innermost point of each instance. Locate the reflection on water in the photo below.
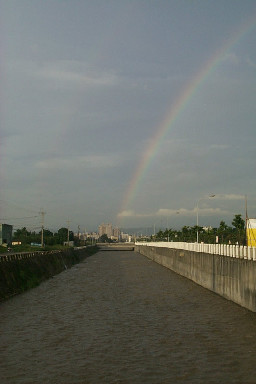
(120, 318)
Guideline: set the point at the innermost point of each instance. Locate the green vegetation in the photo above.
(50, 239)
(27, 279)
(31, 241)
(18, 275)
(3, 249)
(224, 233)
(105, 239)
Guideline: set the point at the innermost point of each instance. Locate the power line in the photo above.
(68, 222)
(18, 218)
(6, 202)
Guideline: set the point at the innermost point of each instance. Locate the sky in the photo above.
(131, 112)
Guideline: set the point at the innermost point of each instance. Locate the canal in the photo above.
(118, 317)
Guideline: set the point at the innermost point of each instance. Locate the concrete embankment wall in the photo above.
(19, 272)
(234, 279)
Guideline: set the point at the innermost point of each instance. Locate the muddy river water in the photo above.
(118, 317)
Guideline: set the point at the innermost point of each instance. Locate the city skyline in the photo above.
(127, 112)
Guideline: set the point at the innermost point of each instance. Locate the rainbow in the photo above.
(176, 110)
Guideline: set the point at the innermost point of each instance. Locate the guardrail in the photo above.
(236, 251)
(24, 255)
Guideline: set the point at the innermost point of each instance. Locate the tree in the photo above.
(47, 233)
(238, 222)
(62, 235)
(104, 239)
(223, 231)
(186, 233)
(19, 233)
(168, 234)
(22, 235)
(239, 225)
(160, 235)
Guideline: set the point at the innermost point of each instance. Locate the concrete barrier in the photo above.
(231, 277)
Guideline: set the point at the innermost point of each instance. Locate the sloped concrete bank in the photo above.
(234, 279)
(19, 272)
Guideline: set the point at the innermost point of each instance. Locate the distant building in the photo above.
(125, 236)
(5, 234)
(206, 229)
(92, 235)
(105, 229)
(116, 234)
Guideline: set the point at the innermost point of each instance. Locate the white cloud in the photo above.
(76, 78)
(220, 146)
(189, 212)
(131, 213)
(232, 58)
(174, 212)
(74, 72)
(78, 162)
(127, 213)
(229, 197)
(63, 71)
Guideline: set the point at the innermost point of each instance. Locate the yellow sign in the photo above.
(251, 232)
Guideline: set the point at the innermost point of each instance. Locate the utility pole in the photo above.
(78, 234)
(42, 233)
(68, 222)
(246, 220)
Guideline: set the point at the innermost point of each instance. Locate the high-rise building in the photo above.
(5, 234)
(116, 233)
(105, 229)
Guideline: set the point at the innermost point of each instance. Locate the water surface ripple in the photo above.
(118, 317)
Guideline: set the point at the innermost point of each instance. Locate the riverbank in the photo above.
(20, 272)
(230, 277)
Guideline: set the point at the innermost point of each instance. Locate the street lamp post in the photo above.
(197, 214)
(197, 209)
(246, 220)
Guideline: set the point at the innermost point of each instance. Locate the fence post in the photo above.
(249, 256)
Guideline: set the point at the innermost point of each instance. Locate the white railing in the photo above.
(236, 251)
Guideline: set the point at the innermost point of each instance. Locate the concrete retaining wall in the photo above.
(19, 272)
(234, 279)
